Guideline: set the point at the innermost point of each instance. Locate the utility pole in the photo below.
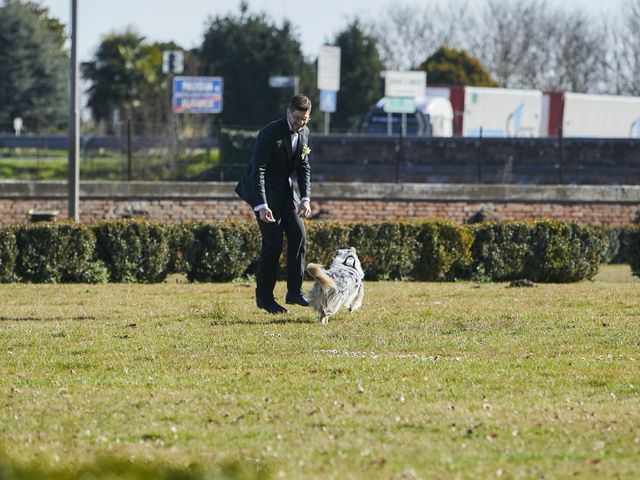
(74, 120)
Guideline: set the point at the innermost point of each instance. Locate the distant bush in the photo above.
(236, 148)
(617, 238)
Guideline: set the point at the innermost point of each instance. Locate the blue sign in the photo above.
(197, 94)
(328, 100)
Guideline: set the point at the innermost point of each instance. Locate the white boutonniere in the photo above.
(305, 150)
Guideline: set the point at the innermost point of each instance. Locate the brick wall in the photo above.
(179, 202)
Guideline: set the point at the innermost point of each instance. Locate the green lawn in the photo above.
(110, 166)
(429, 380)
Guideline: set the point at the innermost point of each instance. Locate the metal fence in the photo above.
(341, 158)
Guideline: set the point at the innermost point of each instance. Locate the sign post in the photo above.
(197, 94)
(328, 81)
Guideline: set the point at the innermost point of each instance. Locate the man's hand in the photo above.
(266, 215)
(304, 209)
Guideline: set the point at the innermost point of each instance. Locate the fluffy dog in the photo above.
(339, 286)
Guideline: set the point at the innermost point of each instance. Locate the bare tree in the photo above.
(578, 51)
(509, 40)
(623, 63)
(528, 44)
(408, 34)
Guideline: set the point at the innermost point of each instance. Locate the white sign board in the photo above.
(404, 84)
(329, 68)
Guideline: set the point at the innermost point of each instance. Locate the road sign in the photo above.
(399, 105)
(328, 101)
(197, 94)
(405, 84)
(280, 81)
(329, 68)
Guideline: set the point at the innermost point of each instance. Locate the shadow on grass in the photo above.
(46, 319)
(274, 321)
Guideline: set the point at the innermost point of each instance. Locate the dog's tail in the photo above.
(317, 272)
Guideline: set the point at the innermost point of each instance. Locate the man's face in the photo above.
(298, 118)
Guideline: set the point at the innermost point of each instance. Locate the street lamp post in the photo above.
(74, 120)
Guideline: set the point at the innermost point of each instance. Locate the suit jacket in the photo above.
(267, 178)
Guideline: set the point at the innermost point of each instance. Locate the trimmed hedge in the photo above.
(54, 252)
(542, 251)
(444, 251)
(135, 250)
(8, 255)
(632, 250)
(618, 238)
(223, 251)
(500, 250)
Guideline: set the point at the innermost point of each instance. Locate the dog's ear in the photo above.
(353, 249)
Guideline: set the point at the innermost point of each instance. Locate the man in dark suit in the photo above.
(281, 149)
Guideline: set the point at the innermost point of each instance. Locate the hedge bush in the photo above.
(223, 251)
(142, 251)
(563, 252)
(51, 253)
(617, 238)
(181, 239)
(134, 250)
(543, 251)
(444, 251)
(500, 250)
(632, 249)
(8, 255)
(387, 250)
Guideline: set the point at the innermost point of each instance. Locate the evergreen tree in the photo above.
(246, 50)
(448, 66)
(360, 68)
(126, 75)
(33, 67)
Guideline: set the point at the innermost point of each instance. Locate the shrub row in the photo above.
(142, 251)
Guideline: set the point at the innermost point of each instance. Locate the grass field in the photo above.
(110, 166)
(429, 380)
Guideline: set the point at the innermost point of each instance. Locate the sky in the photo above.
(184, 21)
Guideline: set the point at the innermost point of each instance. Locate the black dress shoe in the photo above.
(296, 299)
(271, 306)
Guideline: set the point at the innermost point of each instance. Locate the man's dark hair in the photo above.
(300, 102)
